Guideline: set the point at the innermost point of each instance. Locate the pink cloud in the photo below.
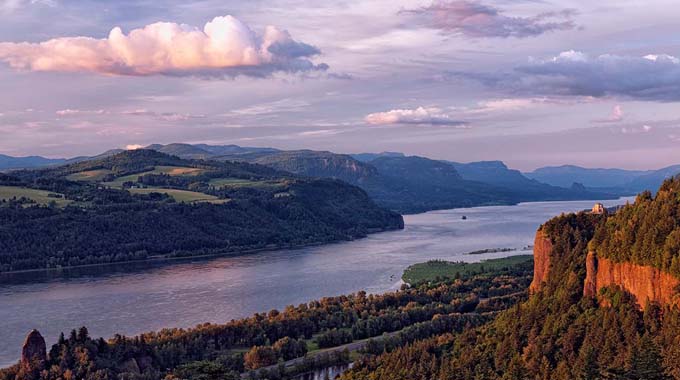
(164, 116)
(73, 112)
(474, 19)
(417, 116)
(225, 46)
(615, 116)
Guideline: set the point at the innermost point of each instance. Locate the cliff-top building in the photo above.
(599, 209)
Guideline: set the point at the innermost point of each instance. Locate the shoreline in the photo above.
(514, 203)
(164, 258)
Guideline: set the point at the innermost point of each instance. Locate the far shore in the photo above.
(164, 258)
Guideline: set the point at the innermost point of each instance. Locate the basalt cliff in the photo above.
(645, 283)
(636, 249)
(542, 250)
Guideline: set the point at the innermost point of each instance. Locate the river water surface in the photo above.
(131, 299)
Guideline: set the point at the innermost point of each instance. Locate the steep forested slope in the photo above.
(558, 334)
(646, 232)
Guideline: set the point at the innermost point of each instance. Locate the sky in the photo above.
(529, 82)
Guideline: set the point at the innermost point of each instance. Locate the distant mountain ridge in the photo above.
(406, 184)
(415, 184)
(366, 157)
(619, 180)
(318, 164)
(9, 162)
(520, 187)
(565, 175)
(204, 151)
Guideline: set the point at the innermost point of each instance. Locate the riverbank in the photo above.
(171, 258)
(439, 270)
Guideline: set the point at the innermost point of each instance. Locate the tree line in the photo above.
(224, 350)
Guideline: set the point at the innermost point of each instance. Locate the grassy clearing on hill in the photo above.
(238, 182)
(437, 270)
(39, 196)
(181, 195)
(170, 170)
(89, 175)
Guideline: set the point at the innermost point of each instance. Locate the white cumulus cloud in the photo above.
(417, 116)
(225, 46)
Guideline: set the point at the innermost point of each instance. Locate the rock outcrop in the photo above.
(644, 282)
(34, 352)
(542, 251)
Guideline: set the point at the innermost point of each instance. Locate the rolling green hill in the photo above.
(142, 204)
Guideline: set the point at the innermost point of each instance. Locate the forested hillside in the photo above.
(558, 334)
(646, 232)
(141, 204)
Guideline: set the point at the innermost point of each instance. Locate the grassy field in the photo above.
(170, 170)
(437, 269)
(39, 196)
(90, 175)
(182, 195)
(237, 182)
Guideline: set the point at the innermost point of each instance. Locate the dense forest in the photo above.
(646, 232)
(212, 351)
(142, 204)
(558, 334)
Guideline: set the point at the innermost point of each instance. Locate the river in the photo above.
(135, 298)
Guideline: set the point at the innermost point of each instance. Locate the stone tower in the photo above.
(34, 351)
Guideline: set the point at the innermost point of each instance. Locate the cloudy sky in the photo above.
(529, 82)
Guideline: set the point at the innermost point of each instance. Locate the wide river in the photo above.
(131, 299)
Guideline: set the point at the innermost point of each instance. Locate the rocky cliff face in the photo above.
(34, 352)
(643, 282)
(542, 250)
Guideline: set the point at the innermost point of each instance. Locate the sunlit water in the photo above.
(130, 299)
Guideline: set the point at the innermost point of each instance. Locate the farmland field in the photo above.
(39, 196)
(89, 175)
(181, 195)
(237, 182)
(170, 170)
